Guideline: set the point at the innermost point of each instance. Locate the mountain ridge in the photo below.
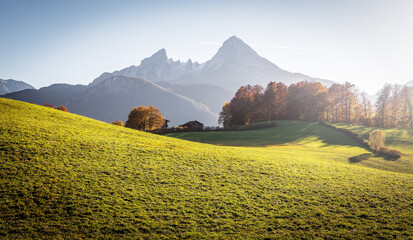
(235, 64)
(11, 85)
(113, 99)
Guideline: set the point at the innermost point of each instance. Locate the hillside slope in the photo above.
(314, 137)
(67, 176)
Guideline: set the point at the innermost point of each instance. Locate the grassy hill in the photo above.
(397, 138)
(315, 141)
(67, 176)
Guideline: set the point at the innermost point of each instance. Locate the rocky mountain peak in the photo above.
(157, 58)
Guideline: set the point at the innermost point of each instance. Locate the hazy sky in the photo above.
(364, 42)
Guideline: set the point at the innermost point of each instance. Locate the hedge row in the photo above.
(363, 139)
(359, 137)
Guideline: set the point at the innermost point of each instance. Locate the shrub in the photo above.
(50, 105)
(390, 152)
(377, 138)
(118, 123)
(62, 108)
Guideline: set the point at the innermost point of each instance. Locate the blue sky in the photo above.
(366, 42)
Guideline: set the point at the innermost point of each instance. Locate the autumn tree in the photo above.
(306, 101)
(383, 106)
(367, 112)
(406, 105)
(395, 106)
(145, 118)
(275, 101)
(343, 99)
(224, 116)
(376, 139)
(244, 106)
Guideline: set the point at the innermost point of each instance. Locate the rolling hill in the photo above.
(315, 137)
(68, 176)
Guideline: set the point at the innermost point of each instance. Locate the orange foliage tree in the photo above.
(145, 118)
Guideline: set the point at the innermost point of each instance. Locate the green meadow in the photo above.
(64, 176)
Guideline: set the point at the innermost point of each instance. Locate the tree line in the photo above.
(312, 101)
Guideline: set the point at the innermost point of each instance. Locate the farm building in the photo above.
(193, 125)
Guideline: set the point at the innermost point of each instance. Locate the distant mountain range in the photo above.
(235, 64)
(10, 85)
(57, 94)
(183, 91)
(113, 99)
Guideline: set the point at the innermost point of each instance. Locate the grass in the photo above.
(397, 138)
(316, 141)
(286, 132)
(70, 177)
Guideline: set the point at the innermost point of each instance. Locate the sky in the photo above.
(365, 42)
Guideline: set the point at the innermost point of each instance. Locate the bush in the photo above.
(118, 123)
(62, 108)
(50, 105)
(390, 152)
(377, 138)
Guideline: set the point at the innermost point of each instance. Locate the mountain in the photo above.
(210, 95)
(235, 64)
(10, 85)
(57, 94)
(409, 83)
(113, 98)
(156, 68)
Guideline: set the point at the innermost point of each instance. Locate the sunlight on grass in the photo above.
(67, 176)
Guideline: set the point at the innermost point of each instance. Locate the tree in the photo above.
(367, 110)
(306, 101)
(395, 106)
(376, 139)
(383, 106)
(343, 99)
(145, 118)
(406, 102)
(224, 115)
(275, 101)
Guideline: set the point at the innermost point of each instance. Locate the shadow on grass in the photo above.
(366, 156)
(360, 157)
(388, 157)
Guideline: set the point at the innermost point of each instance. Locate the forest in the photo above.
(312, 101)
